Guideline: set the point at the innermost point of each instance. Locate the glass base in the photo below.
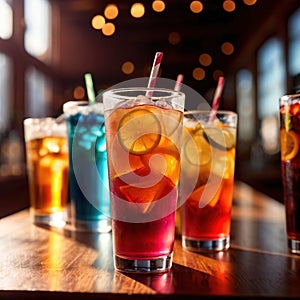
(294, 246)
(205, 245)
(93, 226)
(55, 220)
(144, 266)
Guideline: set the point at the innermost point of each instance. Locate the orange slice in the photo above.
(211, 190)
(196, 149)
(289, 144)
(170, 120)
(149, 188)
(220, 138)
(139, 131)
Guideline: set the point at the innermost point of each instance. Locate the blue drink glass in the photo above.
(89, 189)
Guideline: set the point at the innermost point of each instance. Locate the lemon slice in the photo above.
(196, 149)
(289, 144)
(220, 138)
(139, 131)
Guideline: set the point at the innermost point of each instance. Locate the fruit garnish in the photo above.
(207, 194)
(145, 187)
(220, 138)
(170, 121)
(295, 109)
(289, 144)
(139, 131)
(196, 149)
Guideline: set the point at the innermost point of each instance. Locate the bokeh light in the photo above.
(79, 92)
(111, 11)
(98, 22)
(158, 6)
(196, 7)
(227, 48)
(217, 74)
(108, 29)
(137, 10)
(250, 2)
(205, 59)
(198, 73)
(229, 5)
(128, 67)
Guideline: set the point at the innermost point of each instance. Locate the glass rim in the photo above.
(36, 120)
(289, 97)
(73, 107)
(114, 92)
(205, 112)
(36, 128)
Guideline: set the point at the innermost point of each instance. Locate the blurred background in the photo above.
(46, 46)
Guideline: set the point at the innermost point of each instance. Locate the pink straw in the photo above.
(154, 72)
(217, 98)
(178, 83)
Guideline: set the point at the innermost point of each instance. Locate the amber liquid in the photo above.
(290, 122)
(207, 216)
(47, 164)
(144, 188)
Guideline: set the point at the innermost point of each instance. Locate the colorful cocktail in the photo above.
(206, 184)
(143, 143)
(88, 166)
(290, 162)
(47, 166)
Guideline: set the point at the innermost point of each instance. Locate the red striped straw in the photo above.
(217, 98)
(178, 83)
(154, 72)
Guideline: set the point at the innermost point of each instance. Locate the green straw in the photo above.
(89, 87)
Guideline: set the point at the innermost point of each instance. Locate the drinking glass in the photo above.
(143, 132)
(47, 168)
(290, 166)
(206, 183)
(89, 190)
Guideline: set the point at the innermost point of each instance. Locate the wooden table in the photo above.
(44, 263)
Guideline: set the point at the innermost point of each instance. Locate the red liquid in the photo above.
(143, 240)
(154, 239)
(209, 222)
(290, 123)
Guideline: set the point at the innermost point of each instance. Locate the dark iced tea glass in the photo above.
(290, 163)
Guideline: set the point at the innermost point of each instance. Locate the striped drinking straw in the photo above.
(154, 72)
(217, 99)
(178, 83)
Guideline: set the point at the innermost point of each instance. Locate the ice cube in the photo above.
(163, 104)
(189, 123)
(85, 145)
(51, 145)
(139, 100)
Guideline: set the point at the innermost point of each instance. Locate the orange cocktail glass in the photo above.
(143, 143)
(208, 159)
(47, 168)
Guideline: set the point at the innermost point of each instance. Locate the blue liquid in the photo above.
(89, 189)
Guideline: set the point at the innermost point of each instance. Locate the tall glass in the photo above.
(88, 166)
(290, 166)
(47, 167)
(143, 143)
(206, 184)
